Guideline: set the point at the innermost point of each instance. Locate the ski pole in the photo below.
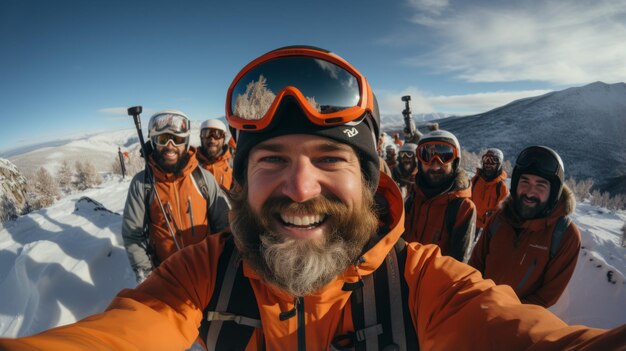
(135, 111)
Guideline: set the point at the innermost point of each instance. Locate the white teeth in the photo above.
(302, 221)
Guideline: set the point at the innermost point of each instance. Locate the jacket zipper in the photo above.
(527, 275)
(301, 323)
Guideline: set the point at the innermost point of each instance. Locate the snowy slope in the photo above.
(60, 264)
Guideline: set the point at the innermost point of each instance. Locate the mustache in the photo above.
(329, 205)
(530, 198)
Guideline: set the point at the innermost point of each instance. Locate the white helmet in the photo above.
(214, 124)
(169, 122)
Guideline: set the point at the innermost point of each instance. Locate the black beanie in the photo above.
(290, 119)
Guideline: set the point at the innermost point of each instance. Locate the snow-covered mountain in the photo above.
(63, 263)
(585, 125)
(396, 121)
(100, 149)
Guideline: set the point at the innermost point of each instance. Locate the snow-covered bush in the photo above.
(42, 189)
(86, 176)
(65, 177)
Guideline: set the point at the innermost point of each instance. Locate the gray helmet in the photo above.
(495, 153)
(445, 136)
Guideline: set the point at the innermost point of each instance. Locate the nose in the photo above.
(302, 181)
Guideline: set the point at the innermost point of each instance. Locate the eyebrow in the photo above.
(540, 180)
(326, 146)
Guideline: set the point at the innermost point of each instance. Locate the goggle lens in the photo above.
(429, 151)
(169, 122)
(407, 155)
(541, 160)
(212, 133)
(489, 159)
(163, 139)
(326, 86)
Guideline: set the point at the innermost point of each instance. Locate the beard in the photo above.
(407, 167)
(212, 151)
(489, 174)
(529, 211)
(175, 168)
(298, 266)
(436, 179)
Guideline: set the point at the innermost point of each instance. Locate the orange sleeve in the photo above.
(453, 308)
(559, 270)
(162, 313)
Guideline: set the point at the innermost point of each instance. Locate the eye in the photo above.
(331, 159)
(271, 159)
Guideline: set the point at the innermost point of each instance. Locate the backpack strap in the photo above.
(498, 189)
(148, 195)
(380, 312)
(559, 230)
(232, 315)
(451, 212)
(201, 182)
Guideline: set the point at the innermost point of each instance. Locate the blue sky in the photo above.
(70, 67)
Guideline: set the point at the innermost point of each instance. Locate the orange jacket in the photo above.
(179, 193)
(487, 195)
(426, 218)
(182, 200)
(524, 258)
(221, 168)
(451, 306)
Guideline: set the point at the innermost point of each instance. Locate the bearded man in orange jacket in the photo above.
(310, 263)
(165, 209)
(438, 205)
(531, 244)
(214, 154)
(488, 186)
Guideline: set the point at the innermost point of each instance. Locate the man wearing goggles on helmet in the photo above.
(165, 209)
(530, 243)
(309, 263)
(488, 186)
(214, 154)
(405, 170)
(439, 208)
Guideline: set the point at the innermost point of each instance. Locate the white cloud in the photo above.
(421, 102)
(114, 111)
(564, 43)
(434, 7)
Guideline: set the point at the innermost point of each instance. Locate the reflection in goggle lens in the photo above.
(212, 133)
(327, 87)
(163, 139)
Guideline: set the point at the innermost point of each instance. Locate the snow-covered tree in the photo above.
(64, 177)
(86, 175)
(43, 189)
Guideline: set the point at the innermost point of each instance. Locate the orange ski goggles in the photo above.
(329, 90)
(441, 151)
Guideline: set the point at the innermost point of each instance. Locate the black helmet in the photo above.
(544, 162)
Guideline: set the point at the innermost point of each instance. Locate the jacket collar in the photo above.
(162, 176)
(502, 177)
(205, 160)
(564, 207)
